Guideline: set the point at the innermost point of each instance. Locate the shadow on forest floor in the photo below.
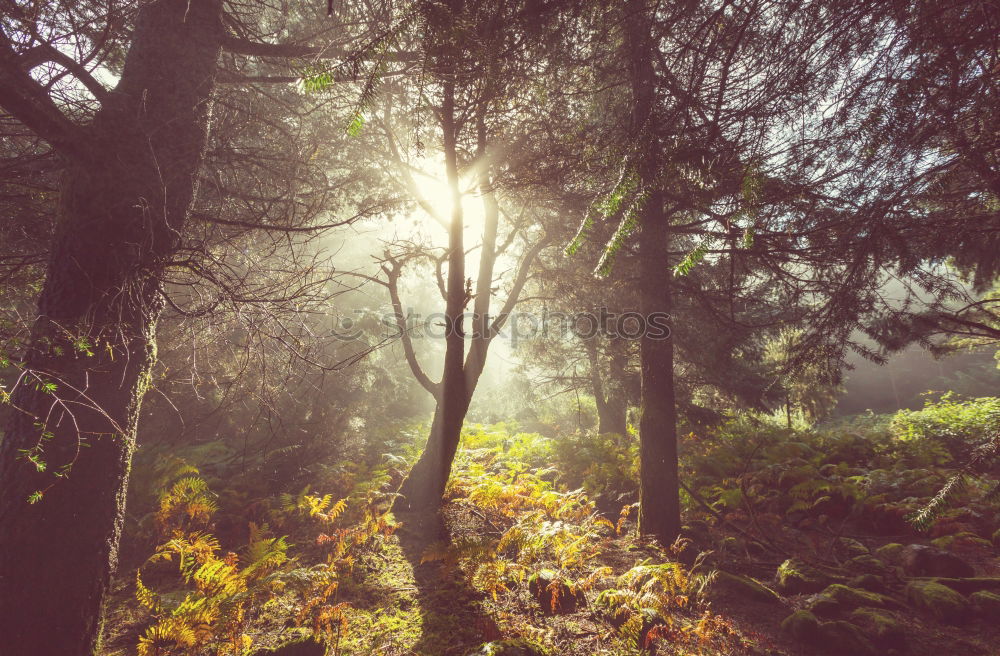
(453, 620)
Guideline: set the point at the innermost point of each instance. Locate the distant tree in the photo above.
(810, 389)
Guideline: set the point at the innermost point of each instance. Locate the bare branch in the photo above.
(29, 103)
(392, 272)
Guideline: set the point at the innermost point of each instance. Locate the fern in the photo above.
(146, 597)
(648, 594)
(222, 593)
(186, 504)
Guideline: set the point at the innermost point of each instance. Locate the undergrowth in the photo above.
(547, 549)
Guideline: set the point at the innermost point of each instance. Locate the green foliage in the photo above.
(752, 472)
(960, 425)
(605, 206)
(626, 227)
(545, 528)
(691, 260)
(605, 466)
(966, 432)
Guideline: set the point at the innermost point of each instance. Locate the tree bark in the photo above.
(424, 486)
(618, 400)
(123, 208)
(659, 493)
(611, 411)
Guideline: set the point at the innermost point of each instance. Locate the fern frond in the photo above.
(146, 597)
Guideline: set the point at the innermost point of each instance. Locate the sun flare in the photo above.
(436, 193)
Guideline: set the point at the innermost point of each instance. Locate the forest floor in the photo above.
(411, 608)
(399, 605)
(516, 565)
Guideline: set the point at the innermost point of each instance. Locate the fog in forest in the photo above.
(499, 328)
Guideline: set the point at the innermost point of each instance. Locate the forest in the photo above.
(499, 327)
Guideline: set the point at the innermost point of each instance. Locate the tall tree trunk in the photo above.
(123, 208)
(424, 486)
(597, 383)
(610, 410)
(659, 495)
(617, 386)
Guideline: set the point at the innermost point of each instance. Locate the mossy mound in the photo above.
(921, 560)
(847, 639)
(850, 547)
(867, 564)
(795, 577)
(964, 538)
(848, 598)
(802, 626)
(880, 627)
(939, 600)
(823, 605)
(741, 586)
(966, 585)
(891, 553)
(868, 582)
(986, 604)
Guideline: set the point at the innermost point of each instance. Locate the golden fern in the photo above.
(187, 503)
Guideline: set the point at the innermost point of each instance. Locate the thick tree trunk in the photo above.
(659, 494)
(425, 484)
(612, 420)
(122, 210)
